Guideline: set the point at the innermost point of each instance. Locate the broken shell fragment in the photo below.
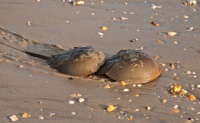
(148, 108)
(131, 66)
(80, 2)
(123, 83)
(172, 34)
(155, 23)
(175, 110)
(123, 18)
(80, 61)
(155, 7)
(13, 118)
(190, 2)
(104, 28)
(164, 100)
(172, 66)
(26, 115)
(107, 86)
(110, 108)
(191, 97)
(176, 89)
(81, 100)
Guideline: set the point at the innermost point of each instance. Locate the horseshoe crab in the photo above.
(131, 66)
(80, 61)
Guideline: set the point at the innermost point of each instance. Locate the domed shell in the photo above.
(80, 61)
(131, 66)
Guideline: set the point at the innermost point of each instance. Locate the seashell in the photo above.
(25, 115)
(191, 2)
(13, 118)
(80, 2)
(155, 7)
(172, 33)
(131, 66)
(80, 61)
(123, 18)
(191, 97)
(110, 108)
(104, 28)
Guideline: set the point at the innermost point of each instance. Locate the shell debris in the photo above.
(71, 102)
(139, 85)
(100, 33)
(148, 108)
(186, 17)
(73, 113)
(178, 90)
(130, 118)
(81, 100)
(13, 118)
(155, 23)
(26, 115)
(110, 108)
(172, 66)
(156, 57)
(104, 28)
(28, 23)
(52, 114)
(75, 95)
(107, 86)
(21, 66)
(190, 2)
(155, 7)
(182, 92)
(126, 90)
(41, 117)
(175, 89)
(190, 29)
(123, 18)
(80, 2)
(175, 42)
(175, 109)
(101, 2)
(123, 83)
(164, 100)
(160, 42)
(191, 97)
(136, 95)
(188, 72)
(172, 33)
(136, 110)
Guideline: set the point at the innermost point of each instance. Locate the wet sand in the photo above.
(29, 85)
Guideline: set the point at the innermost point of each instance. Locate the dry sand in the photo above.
(28, 84)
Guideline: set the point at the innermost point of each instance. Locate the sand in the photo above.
(29, 85)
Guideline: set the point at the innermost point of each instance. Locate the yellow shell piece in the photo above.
(123, 83)
(176, 89)
(191, 97)
(80, 2)
(110, 108)
(104, 28)
(107, 86)
(26, 115)
(175, 110)
(182, 92)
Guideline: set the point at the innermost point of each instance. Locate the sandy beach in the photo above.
(31, 91)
